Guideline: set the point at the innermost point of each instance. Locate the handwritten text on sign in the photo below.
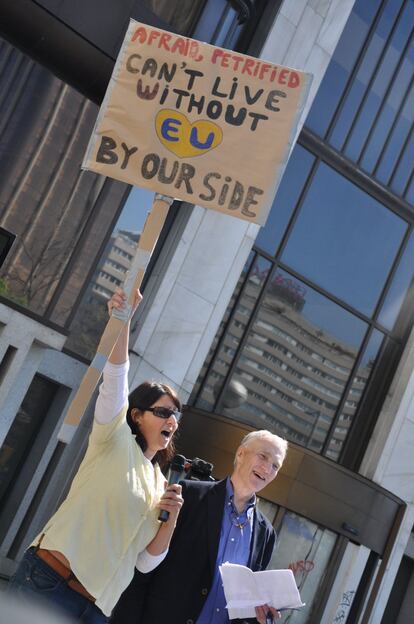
(196, 122)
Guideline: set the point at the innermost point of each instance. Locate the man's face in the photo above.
(258, 463)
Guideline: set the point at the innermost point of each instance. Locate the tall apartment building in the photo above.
(304, 326)
(291, 375)
(114, 264)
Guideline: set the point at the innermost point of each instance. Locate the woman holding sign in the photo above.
(86, 554)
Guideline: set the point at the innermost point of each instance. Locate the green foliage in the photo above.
(6, 292)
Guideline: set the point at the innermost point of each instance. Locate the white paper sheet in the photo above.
(245, 590)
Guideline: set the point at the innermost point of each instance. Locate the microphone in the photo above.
(175, 475)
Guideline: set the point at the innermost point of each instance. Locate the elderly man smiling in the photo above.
(219, 522)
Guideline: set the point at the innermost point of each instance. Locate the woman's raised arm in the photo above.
(118, 300)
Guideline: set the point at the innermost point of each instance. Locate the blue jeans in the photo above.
(35, 580)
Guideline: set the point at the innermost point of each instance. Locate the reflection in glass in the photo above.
(341, 65)
(91, 316)
(214, 21)
(383, 75)
(410, 192)
(355, 393)
(402, 175)
(212, 385)
(305, 548)
(364, 73)
(294, 178)
(288, 364)
(373, 126)
(292, 370)
(401, 282)
(390, 109)
(179, 14)
(59, 213)
(335, 244)
(396, 140)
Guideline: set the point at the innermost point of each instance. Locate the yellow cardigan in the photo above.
(110, 514)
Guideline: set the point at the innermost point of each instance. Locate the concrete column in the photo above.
(389, 461)
(29, 338)
(345, 584)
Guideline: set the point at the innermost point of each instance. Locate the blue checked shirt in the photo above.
(234, 547)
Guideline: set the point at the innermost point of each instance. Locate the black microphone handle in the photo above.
(175, 477)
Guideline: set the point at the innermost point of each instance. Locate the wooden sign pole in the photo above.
(147, 241)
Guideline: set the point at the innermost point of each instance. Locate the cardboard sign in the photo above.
(200, 123)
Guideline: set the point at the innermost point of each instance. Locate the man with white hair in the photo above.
(218, 522)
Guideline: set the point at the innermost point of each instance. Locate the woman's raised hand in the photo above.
(119, 300)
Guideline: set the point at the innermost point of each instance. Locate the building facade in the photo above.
(304, 327)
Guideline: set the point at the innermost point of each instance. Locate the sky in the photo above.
(135, 210)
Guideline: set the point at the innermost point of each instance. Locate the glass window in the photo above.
(354, 396)
(403, 172)
(363, 76)
(222, 23)
(180, 14)
(224, 357)
(341, 66)
(294, 178)
(214, 21)
(288, 363)
(306, 549)
(294, 365)
(60, 214)
(374, 119)
(6, 242)
(335, 244)
(396, 140)
(410, 193)
(91, 315)
(219, 24)
(400, 284)
(383, 72)
(390, 107)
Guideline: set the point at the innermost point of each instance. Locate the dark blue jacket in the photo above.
(177, 589)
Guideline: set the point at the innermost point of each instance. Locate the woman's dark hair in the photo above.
(143, 397)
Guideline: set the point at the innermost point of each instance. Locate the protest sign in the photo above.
(192, 121)
(197, 122)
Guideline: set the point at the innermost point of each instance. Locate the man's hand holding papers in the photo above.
(245, 590)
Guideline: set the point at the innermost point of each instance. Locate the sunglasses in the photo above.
(165, 413)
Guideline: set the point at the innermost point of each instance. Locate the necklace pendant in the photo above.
(239, 525)
(235, 519)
